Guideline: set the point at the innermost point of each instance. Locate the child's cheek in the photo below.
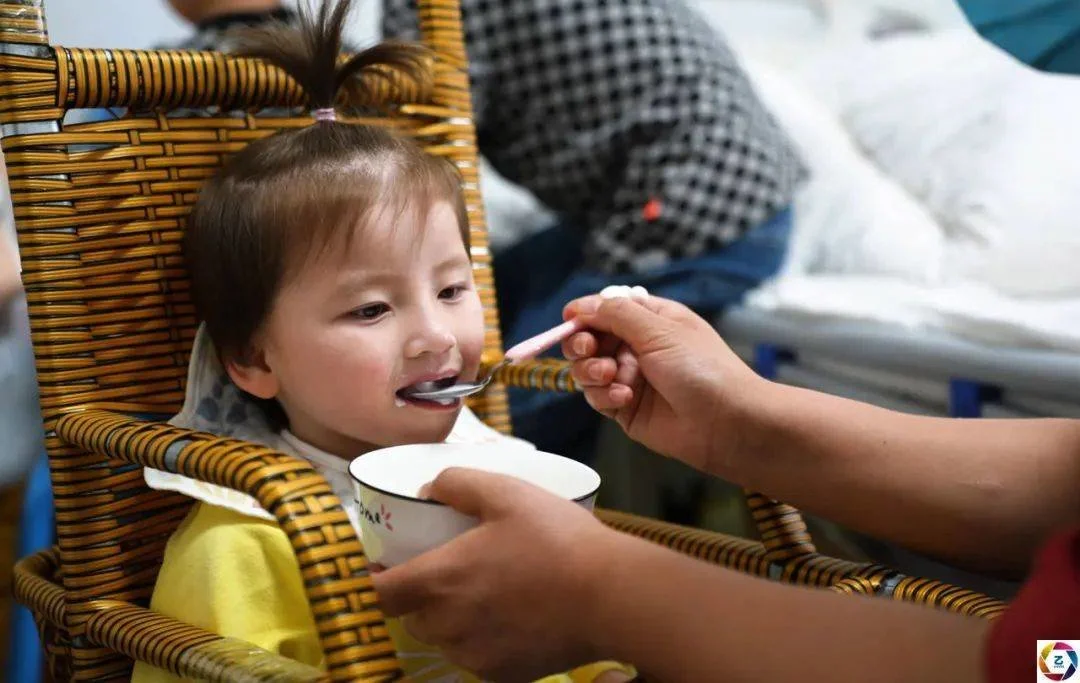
(377, 370)
(471, 337)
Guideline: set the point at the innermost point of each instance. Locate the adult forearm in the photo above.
(679, 619)
(982, 493)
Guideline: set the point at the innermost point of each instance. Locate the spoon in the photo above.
(528, 349)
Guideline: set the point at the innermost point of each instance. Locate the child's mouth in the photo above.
(404, 395)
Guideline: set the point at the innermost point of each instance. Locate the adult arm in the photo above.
(979, 493)
(542, 586)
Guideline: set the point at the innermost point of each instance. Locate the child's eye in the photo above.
(451, 293)
(371, 311)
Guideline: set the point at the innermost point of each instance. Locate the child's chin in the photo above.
(435, 432)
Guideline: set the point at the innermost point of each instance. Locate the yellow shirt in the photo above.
(237, 576)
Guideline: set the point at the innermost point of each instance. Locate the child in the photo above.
(330, 267)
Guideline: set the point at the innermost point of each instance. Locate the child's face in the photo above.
(353, 328)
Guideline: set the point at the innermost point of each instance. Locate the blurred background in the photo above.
(935, 232)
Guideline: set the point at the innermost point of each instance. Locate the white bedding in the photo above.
(966, 310)
(945, 178)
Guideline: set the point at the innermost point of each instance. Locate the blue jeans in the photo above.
(22, 436)
(539, 275)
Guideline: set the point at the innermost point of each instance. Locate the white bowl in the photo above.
(396, 525)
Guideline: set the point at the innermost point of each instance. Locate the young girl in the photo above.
(330, 267)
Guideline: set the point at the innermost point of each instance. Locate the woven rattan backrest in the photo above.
(99, 212)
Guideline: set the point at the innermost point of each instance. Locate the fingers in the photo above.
(587, 345)
(580, 345)
(417, 627)
(438, 626)
(608, 344)
(415, 584)
(476, 493)
(407, 587)
(420, 626)
(609, 399)
(594, 372)
(609, 383)
(635, 323)
(627, 370)
(623, 368)
(590, 306)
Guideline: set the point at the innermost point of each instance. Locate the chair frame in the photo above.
(98, 235)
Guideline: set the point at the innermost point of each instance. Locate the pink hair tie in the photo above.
(324, 114)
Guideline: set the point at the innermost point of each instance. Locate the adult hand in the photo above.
(509, 599)
(665, 375)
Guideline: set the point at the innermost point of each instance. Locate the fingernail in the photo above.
(595, 371)
(580, 347)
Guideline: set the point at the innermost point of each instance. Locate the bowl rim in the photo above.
(430, 501)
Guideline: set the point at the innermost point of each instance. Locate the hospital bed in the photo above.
(920, 371)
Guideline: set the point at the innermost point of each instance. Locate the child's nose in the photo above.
(432, 338)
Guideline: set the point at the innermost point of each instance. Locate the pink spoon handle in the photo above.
(534, 346)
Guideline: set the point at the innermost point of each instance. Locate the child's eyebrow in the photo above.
(361, 279)
(455, 261)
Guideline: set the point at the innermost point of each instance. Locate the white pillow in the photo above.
(849, 217)
(989, 146)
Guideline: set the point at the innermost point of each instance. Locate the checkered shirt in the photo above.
(630, 118)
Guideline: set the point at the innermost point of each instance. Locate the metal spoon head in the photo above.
(456, 391)
(462, 389)
(530, 348)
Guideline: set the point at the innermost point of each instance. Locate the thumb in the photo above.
(474, 492)
(637, 323)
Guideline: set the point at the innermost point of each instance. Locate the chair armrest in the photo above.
(808, 569)
(32, 586)
(742, 554)
(149, 637)
(188, 651)
(337, 582)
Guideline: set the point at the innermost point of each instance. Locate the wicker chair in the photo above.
(99, 211)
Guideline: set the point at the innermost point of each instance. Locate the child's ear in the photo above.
(253, 375)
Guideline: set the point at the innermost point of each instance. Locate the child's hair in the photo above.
(296, 193)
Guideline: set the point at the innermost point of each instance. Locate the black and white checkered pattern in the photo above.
(599, 106)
